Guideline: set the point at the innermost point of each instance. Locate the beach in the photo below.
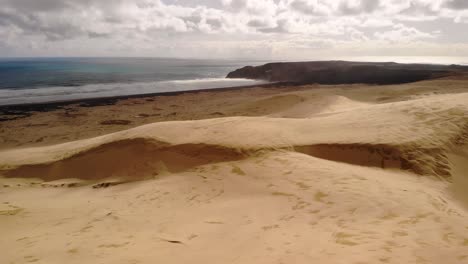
(233, 131)
(350, 173)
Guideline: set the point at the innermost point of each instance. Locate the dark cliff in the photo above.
(343, 72)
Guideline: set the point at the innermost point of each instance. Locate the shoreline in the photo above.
(58, 122)
(25, 109)
(278, 74)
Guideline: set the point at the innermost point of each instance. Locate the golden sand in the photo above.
(310, 174)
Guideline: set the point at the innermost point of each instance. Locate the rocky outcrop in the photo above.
(344, 72)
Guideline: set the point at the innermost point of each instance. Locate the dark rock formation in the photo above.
(344, 72)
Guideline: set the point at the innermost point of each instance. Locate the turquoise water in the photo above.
(53, 79)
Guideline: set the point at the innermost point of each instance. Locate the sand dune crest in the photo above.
(128, 159)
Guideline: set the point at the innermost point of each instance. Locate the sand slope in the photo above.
(353, 176)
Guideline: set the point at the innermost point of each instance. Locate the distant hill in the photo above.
(346, 72)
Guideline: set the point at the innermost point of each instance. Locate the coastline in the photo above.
(25, 108)
(55, 122)
(361, 168)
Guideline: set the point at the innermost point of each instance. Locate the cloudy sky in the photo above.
(260, 29)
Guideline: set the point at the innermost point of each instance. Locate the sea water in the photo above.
(36, 80)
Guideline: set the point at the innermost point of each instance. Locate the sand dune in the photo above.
(339, 175)
(421, 130)
(300, 105)
(132, 159)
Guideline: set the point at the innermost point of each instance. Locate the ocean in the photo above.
(36, 80)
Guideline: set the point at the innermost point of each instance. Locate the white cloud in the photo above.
(165, 27)
(372, 22)
(315, 7)
(402, 33)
